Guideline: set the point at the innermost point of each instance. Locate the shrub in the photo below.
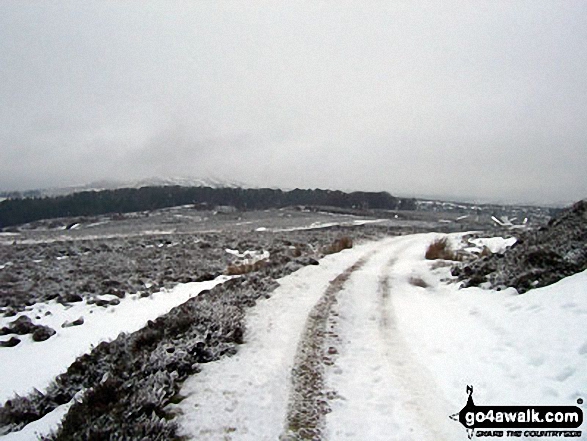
(146, 338)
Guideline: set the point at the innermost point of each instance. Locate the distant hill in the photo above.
(113, 185)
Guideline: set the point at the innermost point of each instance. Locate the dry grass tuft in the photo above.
(440, 249)
(485, 251)
(338, 245)
(418, 281)
(237, 270)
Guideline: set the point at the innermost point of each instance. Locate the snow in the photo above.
(495, 244)
(405, 353)
(249, 256)
(245, 396)
(320, 225)
(408, 341)
(381, 388)
(19, 366)
(39, 428)
(514, 349)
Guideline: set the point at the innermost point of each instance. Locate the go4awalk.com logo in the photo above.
(520, 421)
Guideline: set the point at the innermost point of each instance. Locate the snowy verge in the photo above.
(514, 349)
(40, 428)
(20, 373)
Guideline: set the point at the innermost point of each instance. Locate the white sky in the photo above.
(472, 100)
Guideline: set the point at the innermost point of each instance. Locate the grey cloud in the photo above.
(480, 101)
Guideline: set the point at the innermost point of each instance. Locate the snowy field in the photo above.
(402, 343)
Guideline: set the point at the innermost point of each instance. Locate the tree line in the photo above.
(16, 211)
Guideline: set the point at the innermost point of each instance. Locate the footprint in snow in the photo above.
(583, 349)
(550, 392)
(513, 307)
(534, 308)
(565, 373)
(570, 305)
(537, 361)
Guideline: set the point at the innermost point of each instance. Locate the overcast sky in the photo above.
(477, 100)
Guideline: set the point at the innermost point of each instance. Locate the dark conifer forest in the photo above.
(15, 211)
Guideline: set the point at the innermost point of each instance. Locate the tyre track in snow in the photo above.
(322, 359)
(417, 386)
(380, 392)
(308, 399)
(384, 287)
(245, 397)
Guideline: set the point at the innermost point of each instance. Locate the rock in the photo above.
(51, 296)
(13, 341)
(109, 283)
(205, 277)
(237, 335)
(77, 322)
(118, 293)
(9, 312)
(22, 325)
(43, 333)
(72, 298)
(5, 331)
(202, 355)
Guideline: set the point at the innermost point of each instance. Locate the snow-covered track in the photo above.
(245, 397)
(378, 389)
